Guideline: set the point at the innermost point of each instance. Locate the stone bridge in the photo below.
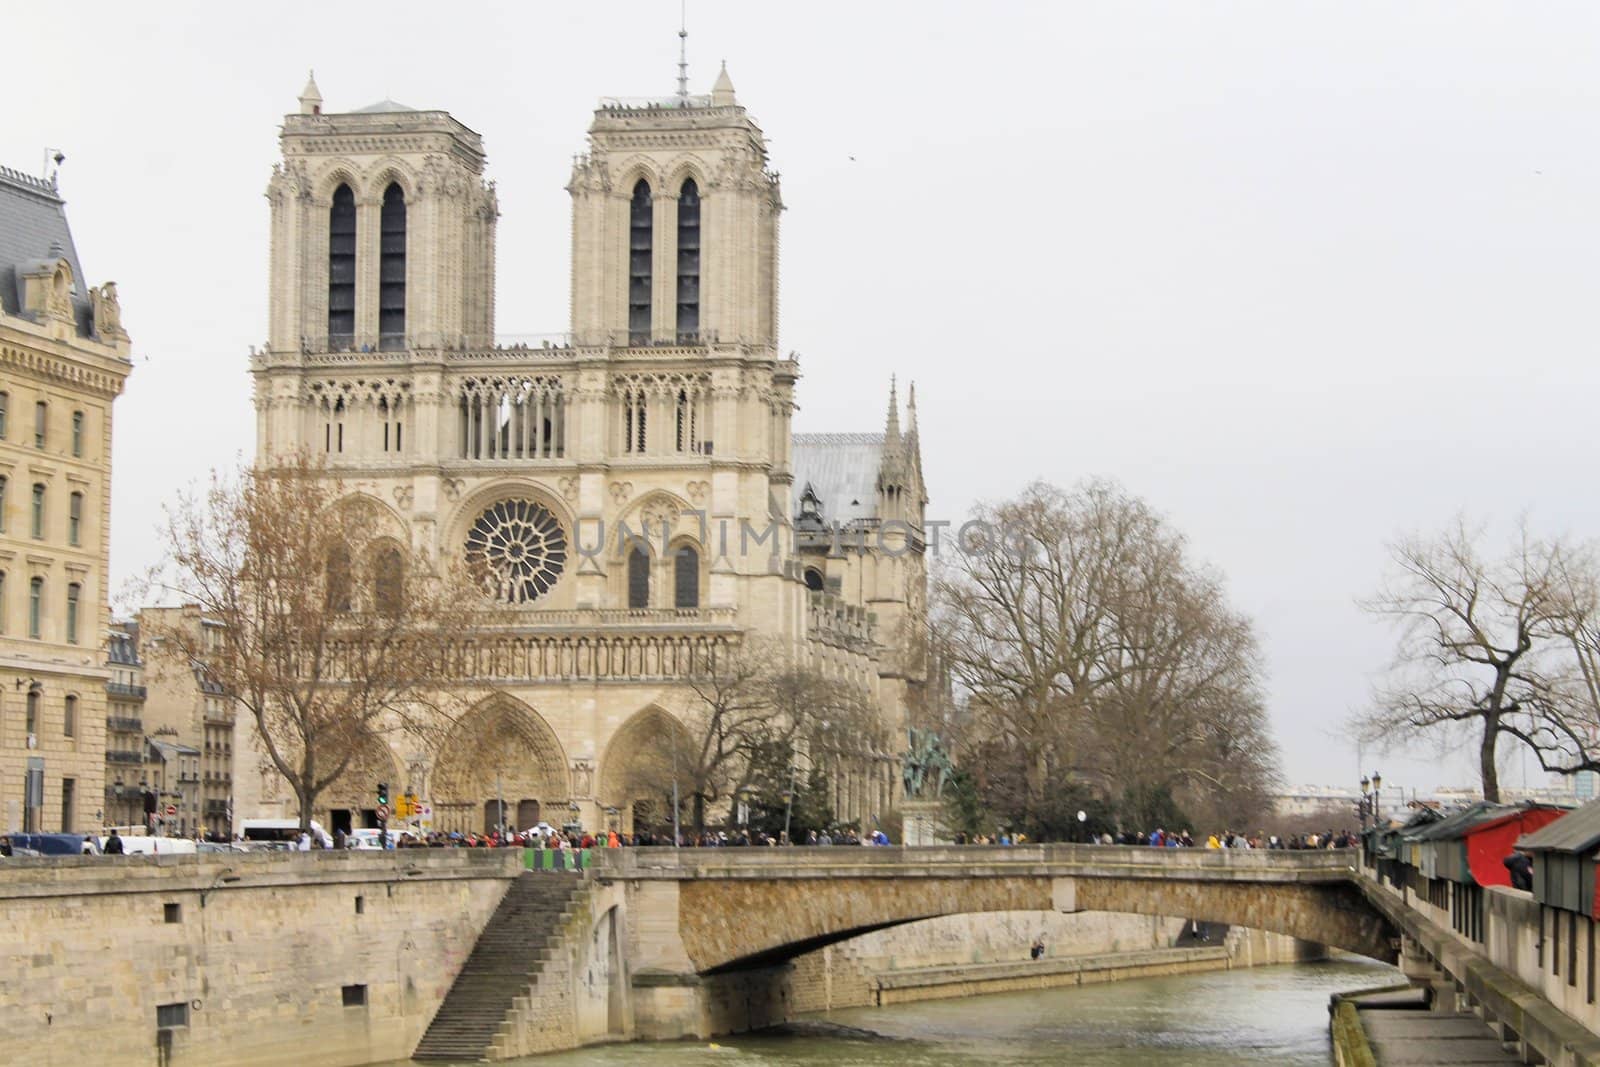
(704, 925)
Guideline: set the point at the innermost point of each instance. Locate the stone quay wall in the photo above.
(965, 955)
(263, 959)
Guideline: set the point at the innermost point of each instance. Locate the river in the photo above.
(1262, 1015)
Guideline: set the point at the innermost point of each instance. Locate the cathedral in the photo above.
(666, 407)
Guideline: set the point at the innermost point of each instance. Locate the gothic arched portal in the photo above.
(636, 775)
(501, 749)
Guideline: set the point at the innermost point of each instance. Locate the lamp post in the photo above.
(1371, 794)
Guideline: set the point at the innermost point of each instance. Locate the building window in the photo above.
(635, 405)
(35, 699)
(388, 582)
(5, 406)
(638, 578)
(35, 606)
(2, 503)
(688, 421)
(77, 433)
(392, 270)
(41, 418)
(69, 721)
(72, 612)
(2, 602)
(640, 233)
(689, 263)
(354, 996)
(338, 579)
(38, 510)
(69, 818)
(172, 913)
(814, 579)
(686, 578)
(342, 267)
(170, 1016)
(75, 519)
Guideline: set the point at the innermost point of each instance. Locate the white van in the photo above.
(281, 832)
(154, 846)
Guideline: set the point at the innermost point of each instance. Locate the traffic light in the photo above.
(383, 792)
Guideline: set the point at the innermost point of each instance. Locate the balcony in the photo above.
(124, 757)
(500, 348)
(122, 724)
(122, 689)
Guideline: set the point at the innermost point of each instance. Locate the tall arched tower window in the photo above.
(689, 263)
(392, 270)
(638, 578)
(686, 578)
(640, 233)
(342, 267)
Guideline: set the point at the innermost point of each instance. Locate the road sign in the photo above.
(383, 811)
(172, 809)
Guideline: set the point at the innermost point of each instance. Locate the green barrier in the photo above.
(544, 859)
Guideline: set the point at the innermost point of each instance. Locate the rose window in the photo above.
(516, 550)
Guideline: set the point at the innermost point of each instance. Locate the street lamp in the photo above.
(1371, 793)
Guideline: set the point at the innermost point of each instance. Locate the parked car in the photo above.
(53, 845)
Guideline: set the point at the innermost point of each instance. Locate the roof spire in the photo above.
(683, 51)
(310, 98)
(891, 433)
(911, 410)
(722, 92)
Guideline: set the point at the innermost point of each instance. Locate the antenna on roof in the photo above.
(683, 50)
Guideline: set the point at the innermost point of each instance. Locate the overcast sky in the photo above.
(1305, 276)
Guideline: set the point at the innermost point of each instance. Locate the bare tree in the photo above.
(331, 634)
(1481, 647)
(1089, 651)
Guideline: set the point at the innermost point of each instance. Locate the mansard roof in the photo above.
(33, 228)
(841, 469)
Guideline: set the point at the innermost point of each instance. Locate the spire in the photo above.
(310, 98)
(722, 91)
(891, 432)
(911, 411)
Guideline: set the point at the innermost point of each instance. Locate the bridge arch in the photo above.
(753, 910)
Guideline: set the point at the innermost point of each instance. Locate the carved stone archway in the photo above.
(502, 748)
(355, 790)
(636, 774)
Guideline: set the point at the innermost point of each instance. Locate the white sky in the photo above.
(1303, 275)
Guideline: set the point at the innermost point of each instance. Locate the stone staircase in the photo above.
(511, 953)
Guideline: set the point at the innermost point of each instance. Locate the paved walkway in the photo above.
(1431, 1039)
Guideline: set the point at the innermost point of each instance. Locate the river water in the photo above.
(1262, 1015)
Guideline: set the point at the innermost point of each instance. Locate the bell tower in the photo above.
(382, 231)
(675, 224)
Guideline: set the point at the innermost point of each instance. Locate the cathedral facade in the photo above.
(666, 409)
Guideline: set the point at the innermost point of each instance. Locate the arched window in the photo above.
(392, 270)
(35, 702)
(639, 578)
(342, 267)
(635, 408)
(3, 484)
(75, 519)
(640, 233)
(5, 406)
(388, 582)
(38, 510)
(41, 420)
(69, 721)
(686, 578)
(338, 579)
(689, 263)
(813, 579)
(73, 592)
(35, 607)
(77, 433)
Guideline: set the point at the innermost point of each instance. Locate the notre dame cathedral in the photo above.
(666, 407)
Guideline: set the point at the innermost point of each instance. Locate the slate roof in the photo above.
(33, 221)
(1577, 831)
(842, 470)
